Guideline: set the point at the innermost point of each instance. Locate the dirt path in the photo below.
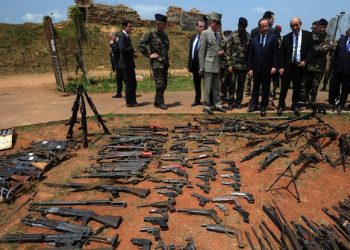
(33, 98)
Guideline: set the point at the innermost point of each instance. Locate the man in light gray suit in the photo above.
(210, 54)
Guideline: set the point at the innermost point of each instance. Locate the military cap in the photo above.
(160, 17)
(227, 32)
(278, 27)
(322, 22)
(214, 16)
(242, 21)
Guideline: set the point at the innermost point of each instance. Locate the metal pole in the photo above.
(336, 25)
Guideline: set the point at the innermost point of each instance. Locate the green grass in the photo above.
(106, 85)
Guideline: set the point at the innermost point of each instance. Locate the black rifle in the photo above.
(56, 225)
(144, 243)
(99, 185)
(272, 156)
(261, 150)
(202, 200)
(206, 212)
(85, 215)
(169, 204)
(59, 240)
(152, 230)
(79, 203)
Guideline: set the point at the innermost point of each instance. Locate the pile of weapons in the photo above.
(67, 235)
(19, 170)
(309, 236)
(310, 140)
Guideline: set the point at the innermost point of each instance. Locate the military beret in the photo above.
(160, 17)
(278, 27)
(322, 22)
(242, 21)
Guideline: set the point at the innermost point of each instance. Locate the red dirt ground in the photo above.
(319, 186)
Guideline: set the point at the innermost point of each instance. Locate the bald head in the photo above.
(295, 24)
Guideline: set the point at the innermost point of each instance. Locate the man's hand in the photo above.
(281, 71)
(201, 72)
(250, 73)
(273, 71)
(154, 56)
(302, 64)
(221, 53)
(230, 70)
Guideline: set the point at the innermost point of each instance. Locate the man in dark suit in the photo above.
(114, 58)
(295, 53)
(127, 64)
(262, 63)
(193, 63)
(341, 71)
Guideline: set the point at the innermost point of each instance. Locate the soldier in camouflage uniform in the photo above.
(318, 62)
(158, 42)
(226, 77)
(237, 62)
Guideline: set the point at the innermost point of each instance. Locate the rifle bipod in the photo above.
(79, 103)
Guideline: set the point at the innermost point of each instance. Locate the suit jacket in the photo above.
(126, 51)
(114, 55)
(342, 57)
(262, 59)
(193, 63)
(286, 51)
(209, 47)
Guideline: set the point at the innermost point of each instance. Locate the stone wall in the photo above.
(186, 19)
(114, 15)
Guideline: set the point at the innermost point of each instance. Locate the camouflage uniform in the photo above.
(316, 67)
(158, 42)
(237, 59)
(225, 77)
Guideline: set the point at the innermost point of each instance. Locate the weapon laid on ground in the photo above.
(247, 235)
(176, 187)
(221, 228)
(232, 200)
(205, 188)
(140, 242)
(85, 215)
(161, 221)
(169, 194)
(202, 200)
(206, 212)
(248, 196)
(342, 221)
(169, 204)
(152, 230)
(235, 185)
(101, 186)
(59, 240)
(272, 156)
(79, 203)
(56, 225)
(261, 150)
(261, 243)
(222, 208)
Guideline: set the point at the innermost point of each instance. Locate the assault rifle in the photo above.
(85, 215)
(261, 150)
(206, 212)
(272, 156)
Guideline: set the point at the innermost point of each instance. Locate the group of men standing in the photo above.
(224, 60)
(123, 55)
(299, 58)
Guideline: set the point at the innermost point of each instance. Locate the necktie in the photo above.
(195, 54)
(262, 41)
(348, 46)
(295, 48)
(216, 36)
